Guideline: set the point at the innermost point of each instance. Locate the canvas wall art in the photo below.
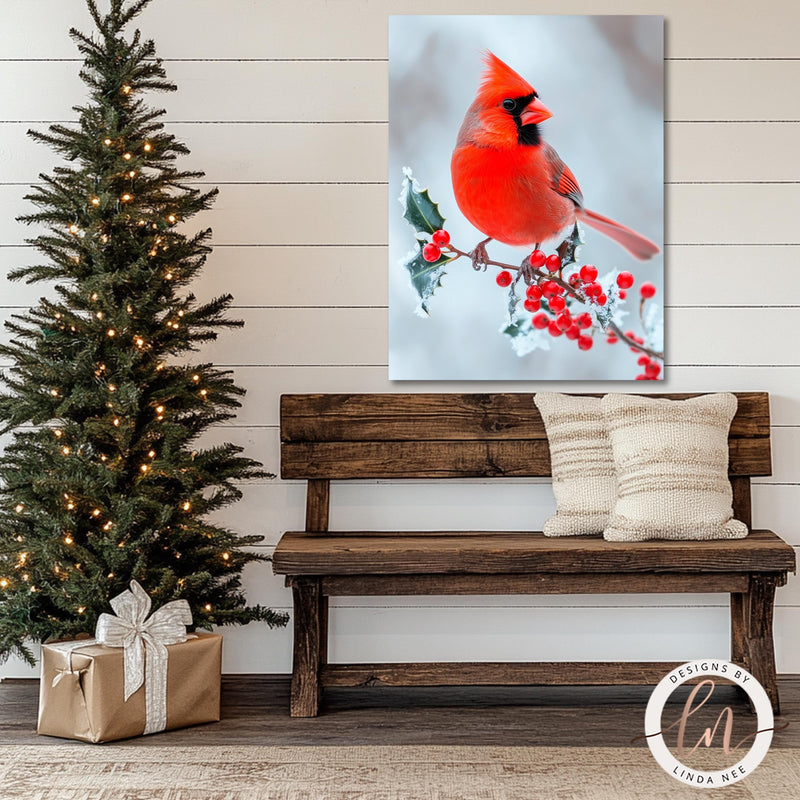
(526, 183)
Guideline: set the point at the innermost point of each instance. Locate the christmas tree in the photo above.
(104, 480)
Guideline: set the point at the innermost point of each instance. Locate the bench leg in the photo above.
(308, 646)
(760, 650)
(739, 629)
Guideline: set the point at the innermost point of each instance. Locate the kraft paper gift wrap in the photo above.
(82, 689)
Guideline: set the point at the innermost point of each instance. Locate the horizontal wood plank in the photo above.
(538, 583)
(479, 552)
(448, 416)
(516, 458)
(480, 673)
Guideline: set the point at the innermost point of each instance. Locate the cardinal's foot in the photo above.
(479, 256)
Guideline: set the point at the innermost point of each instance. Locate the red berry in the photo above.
(647, 290)
(652, 369)
(625, 280)
(585, 342)
(564, 320)
(622, 294)
(643, 360)
(592, 289)
(601, 299)
(557, 303)
(503, 278)
(549, 287)
(532, 305)
(534, 292)
(588, 272)
(631, 335)
(573, 332)
(584, 320)
(431, 252)
(638, 339)
(537, 259)
(540, 320)
(641, 377)
(574, 279)
(553, 328)
(441, 237)
(553, 263)
(612, 339)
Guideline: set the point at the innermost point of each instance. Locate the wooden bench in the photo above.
(439, 436)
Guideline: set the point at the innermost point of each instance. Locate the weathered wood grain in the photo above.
(538, 583)
(410, 417)
(486, 673)
(318, 503)
(308, 649)
(429, 458)
(477, 552)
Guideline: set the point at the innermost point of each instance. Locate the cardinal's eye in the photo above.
(509, 104)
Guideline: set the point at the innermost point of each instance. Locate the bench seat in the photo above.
(493, 552)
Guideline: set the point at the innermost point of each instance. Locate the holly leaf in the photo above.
(525, 338)
(418, 209)
(423, 215)
(568, 249)
(426, 276)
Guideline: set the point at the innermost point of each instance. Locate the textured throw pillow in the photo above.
(582, 463)
(671, 459)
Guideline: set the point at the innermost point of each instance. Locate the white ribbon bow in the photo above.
(144, 642)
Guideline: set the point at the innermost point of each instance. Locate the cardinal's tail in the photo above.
(637, 245)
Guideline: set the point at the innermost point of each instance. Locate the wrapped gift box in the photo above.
(82, 689)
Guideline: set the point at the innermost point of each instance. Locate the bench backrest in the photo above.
(345, 436)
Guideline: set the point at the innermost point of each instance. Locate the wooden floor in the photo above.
(256, 711)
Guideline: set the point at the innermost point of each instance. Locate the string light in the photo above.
(195, 378)
(144, 467)
(104, 238)
(132, 173)
(127, 156)
(140, 342)
(160, 366)
(147, 147)
(226, 556)
(110, 575)
(95, 201)
(203, 392)
(168, 276)
(19, 508)
(207, 606)
(99, 315)
(96, 512)
(187, 505)
(70, 506)
(180, 313)
(54, 392)
(111, 387)
(107, 142)
(116, 422)
(3, 583)
(58, 315)
(94, 296)
(104, 457)
(23, 557)
(66, 450)
(126, 197)
(159, 409)
(68, 540)
(81, 609)
(111, 332)
(58, 432)
(126, 89)
(108, 526)
(171, 219)
(74, 228)
(152, 454)
(25, 577)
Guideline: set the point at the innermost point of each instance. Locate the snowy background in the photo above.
(602, 77)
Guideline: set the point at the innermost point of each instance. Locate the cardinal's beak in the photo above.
(535, 112)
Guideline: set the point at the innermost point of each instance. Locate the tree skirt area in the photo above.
(135, 772)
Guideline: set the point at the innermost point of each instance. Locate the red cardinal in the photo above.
(508, 182)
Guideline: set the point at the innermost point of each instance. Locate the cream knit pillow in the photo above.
(671, 458)
(582, 463)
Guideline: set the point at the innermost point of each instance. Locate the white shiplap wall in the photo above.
(284, 105)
